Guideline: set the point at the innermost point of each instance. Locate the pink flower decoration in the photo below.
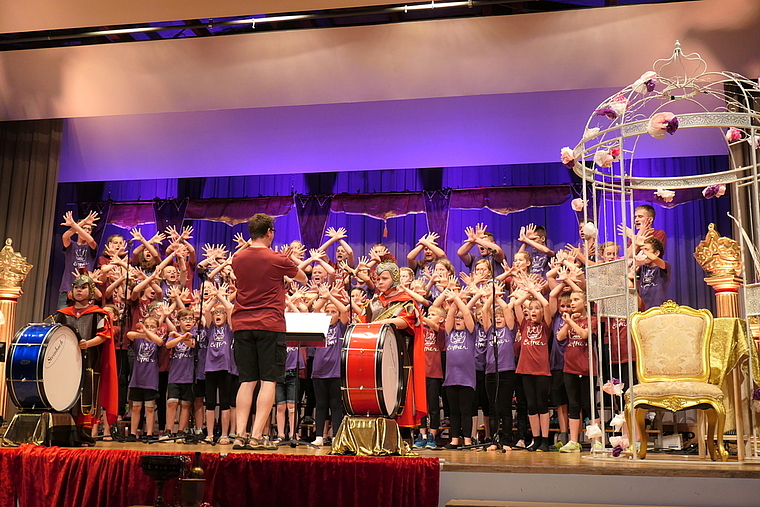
(733, 134)
(616, 107)
(578, 204)
(567, 157)
(602, 158)
(615, 152)
(662, 123)
(714, 191)
(665, 195)
(645, 83)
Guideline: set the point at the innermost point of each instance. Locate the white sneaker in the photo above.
(319, 442)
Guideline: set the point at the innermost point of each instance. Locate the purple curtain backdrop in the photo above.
(685, 224)
(169, 213)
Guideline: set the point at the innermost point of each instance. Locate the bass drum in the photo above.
(44, 368)
(373, 377)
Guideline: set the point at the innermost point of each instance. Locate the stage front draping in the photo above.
(60, 477)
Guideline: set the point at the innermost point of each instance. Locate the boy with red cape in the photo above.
(393, 306)
(101, 387)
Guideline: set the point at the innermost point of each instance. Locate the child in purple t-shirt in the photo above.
(325, 371)
(459, 380)
(143, 387)
(181, 372)
(219, 363)
(653, 274)
(500, 365)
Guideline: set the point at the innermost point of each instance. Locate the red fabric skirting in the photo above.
(58, 477)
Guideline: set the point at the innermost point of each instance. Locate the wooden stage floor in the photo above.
(516, 461)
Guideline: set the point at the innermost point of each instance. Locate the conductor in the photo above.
(258, 322)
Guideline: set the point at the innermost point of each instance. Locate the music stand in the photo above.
(304, 330)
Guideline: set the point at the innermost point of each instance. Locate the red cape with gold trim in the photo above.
(415, 405)
(109, 381)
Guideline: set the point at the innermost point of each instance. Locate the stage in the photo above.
(109, 474)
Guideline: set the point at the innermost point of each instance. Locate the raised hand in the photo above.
(530, 231)
(625, 231)
(171, 231)
(469, 231)
(137, 235)
(91, 218)
(239, 240)
(68, 219)
(336, 233)
(157, 239)
(187, 233)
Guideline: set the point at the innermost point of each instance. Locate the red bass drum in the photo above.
(372, 371)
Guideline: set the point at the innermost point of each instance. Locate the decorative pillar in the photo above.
(720, 257)
(13, 272)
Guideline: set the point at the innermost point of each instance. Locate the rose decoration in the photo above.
(664, 195)
(616, 107)
(590, 133)
(605, 158)
(567, 157)
(662, 123)
(714, 191)
(645, 83)
(578, 204)
(613, 387)
(617, 422)
(734, 134)
(593, 431)
(617, 451)
(589, 229)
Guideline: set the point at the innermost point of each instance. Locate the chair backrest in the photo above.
(672, 343)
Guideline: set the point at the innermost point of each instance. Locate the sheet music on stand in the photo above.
(306, 329)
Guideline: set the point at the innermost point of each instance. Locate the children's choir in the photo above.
(497, 337)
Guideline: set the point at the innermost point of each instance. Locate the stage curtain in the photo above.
(382, 205)
(59, 477)
(437, 206)
(237, 211)
(505, 200)
(29, 158)
(313, 212)
(169, 213)
(129, 215)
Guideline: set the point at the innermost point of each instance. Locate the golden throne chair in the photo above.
(673, 364)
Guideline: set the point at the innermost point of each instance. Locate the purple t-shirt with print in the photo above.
(293, 359)
(653, 284)
(505, 343)
(76, 257)
(219, 352)
(557, 352)
(327, 358)
(460, 359)
(145, 369)
(182, 363)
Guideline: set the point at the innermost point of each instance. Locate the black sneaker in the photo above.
(544, 447)
(451, 446)
(534, 446)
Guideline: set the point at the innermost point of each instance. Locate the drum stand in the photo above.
(42, 428)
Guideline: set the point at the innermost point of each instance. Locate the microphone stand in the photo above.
(125, 320)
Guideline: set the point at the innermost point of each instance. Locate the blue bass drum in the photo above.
(44, 368)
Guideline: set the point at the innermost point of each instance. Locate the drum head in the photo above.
(62, 369)
(391, 373)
